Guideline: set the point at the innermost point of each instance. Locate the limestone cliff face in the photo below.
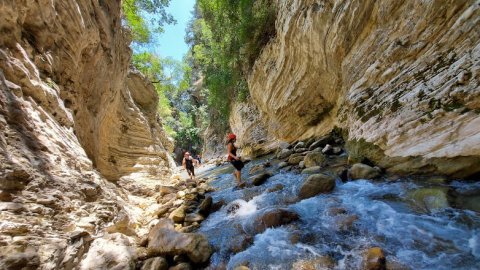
(71, 113)
(71, 59)
(254, 138)
(400, 77)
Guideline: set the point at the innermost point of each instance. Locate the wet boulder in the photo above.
(164, 240)
(240, 242)
(275, 188)
(156, 263)
(321, 262)
(316, 184)
(314, 159)
(282, 164)
(363, 171)
(261, 178)
(374, 259)
(345, 222)
(274, 218)
(429, 199)
(206, 205)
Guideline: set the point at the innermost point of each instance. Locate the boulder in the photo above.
(240, 242)
(19, 256)
(321, 262)
(181, 266)
(217, 205)
(282, 164)
(429, 199)
(345, 222)
(284, 153)
(299, 145)
(164, 240)
(300, 150)
(277, 187)
(328, 149)
(316, 184)
(156, 263)
(374, 259)
(178, 215)
(274, 218)
(260, 179)
(293, 160)
(112, 251)
(363, 171)
(321, 142)
(193, 217)
(311, 170)
(205, 206)
(301, 165)
(314, 159)
(256, 169)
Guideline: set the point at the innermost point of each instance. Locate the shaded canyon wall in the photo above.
(401, 78)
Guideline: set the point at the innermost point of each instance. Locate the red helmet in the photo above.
(231, 136)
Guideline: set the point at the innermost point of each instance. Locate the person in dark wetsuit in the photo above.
(188, 163)
(233, 158)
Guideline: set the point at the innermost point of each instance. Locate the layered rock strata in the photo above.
(400, 78)
(71, 115)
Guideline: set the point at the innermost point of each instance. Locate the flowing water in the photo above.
(409, 235)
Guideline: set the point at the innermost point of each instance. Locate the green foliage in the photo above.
(226, 37)
(145, 17)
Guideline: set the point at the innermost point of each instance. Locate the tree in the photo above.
(144, 17)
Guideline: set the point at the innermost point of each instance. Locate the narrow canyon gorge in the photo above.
(361, 128)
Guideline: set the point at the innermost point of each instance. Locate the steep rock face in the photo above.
(253, 138)
(402, 78)
(68, 107)
(70, 58)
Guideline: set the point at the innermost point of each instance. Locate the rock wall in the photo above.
(401, 78)
(254, 138)
(71, 115)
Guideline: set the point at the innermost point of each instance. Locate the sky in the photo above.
(171, 43)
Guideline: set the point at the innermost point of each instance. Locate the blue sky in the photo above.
(171, 42)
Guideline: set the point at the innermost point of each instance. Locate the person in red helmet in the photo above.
(233, 158)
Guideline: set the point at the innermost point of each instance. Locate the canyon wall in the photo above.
(400, 78)
(72, 114)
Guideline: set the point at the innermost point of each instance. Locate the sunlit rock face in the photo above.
(71, 115)
(69, 60)
(401, 78)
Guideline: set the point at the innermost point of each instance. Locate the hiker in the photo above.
(233, 158)
(198, 157)
(188, 164)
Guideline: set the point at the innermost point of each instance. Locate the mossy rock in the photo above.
(429, 199)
